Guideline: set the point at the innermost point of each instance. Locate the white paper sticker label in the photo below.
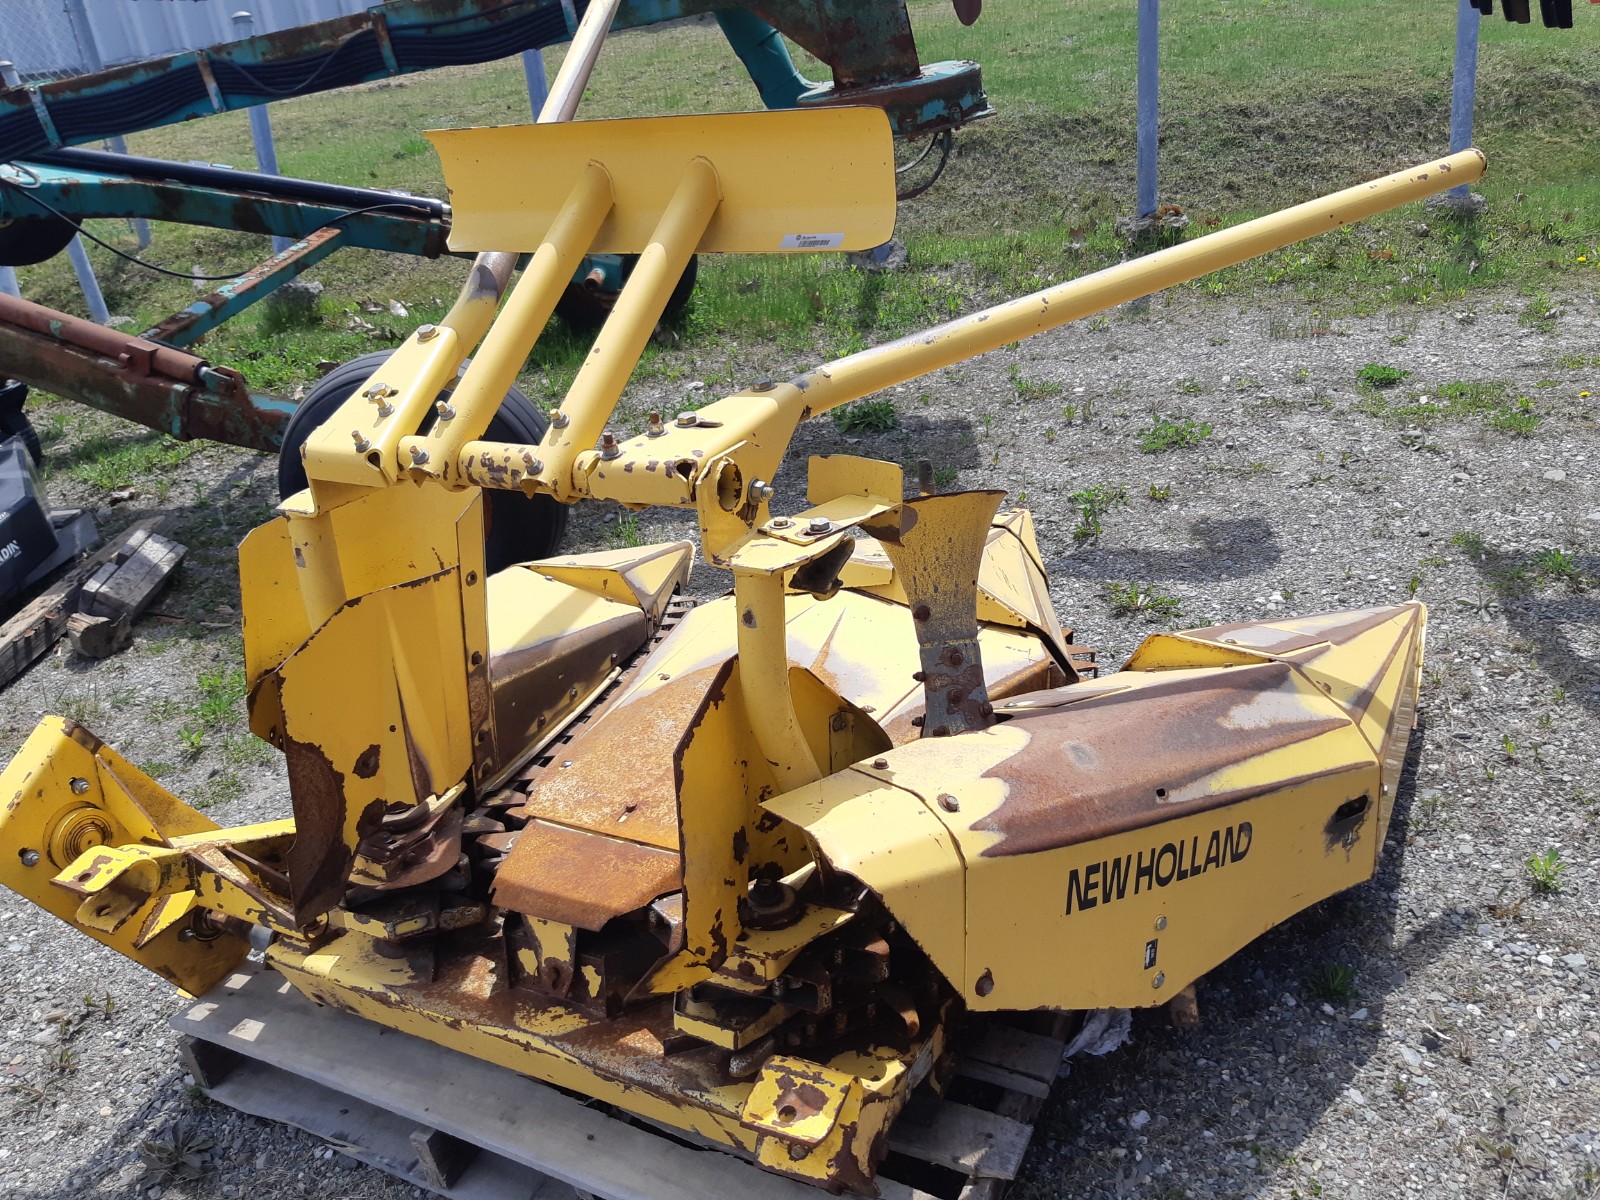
(811, 241)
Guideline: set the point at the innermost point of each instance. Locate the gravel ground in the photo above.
(1433, 1032)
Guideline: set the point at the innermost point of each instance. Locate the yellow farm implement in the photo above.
(743, 869)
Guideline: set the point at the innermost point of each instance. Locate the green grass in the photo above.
(1545, 870)
(1263, 105)
(118, 460)
(1376, 375)
(1143, 599)
(867, 416)
(1093, 503)
(1491, 401)
(1169, 433)
(1332, 982)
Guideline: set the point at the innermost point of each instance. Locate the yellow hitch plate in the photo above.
(791, 181)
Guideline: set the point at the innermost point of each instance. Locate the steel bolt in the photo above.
(79, 785)
(760, 490)
(362, 445)
(780, 522)
(656, 429)
(445, 409)
(687, 420)
(1161, 923)
(881, 764)
(762, 385)
(419, 455)
(1159, 981)
(30, 858)
(817, 526)
(426, 333)
(608, 446)
(949, 803)
(559, 419)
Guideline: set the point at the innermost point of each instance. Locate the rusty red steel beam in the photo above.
(161, 387)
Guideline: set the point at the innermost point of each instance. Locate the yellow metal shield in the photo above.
(790, 181)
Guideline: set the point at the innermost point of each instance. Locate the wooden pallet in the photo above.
(471, 1130)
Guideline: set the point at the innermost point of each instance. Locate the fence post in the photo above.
(261, 126)
(1464, 91)
(538, 88)
(1149, 70)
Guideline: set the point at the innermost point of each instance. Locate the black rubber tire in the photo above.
(585, 312)
(520, 528)
(27, 241)
(14, 422)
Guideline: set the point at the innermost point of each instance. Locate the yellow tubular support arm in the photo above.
(577, 425)
(494, 368)
(635, 476)
(872, 370)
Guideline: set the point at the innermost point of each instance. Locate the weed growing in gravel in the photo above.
(1376, 375)
(1029, 389)
(1160, 492)
(1471, 543)
(1332, 982)
(183, 1154)
(1540, 314)
(1126, 599)
(867, 416)
(1555, 565)
(1413, 586)
(945, 475)
(1545, 870)
(221, 689)
(624, 534)
(1519, 420)
(1092, 503)
(1169, 434)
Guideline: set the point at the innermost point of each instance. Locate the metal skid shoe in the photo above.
(742, 869)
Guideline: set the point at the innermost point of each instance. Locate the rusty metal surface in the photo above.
(532, 686)
(582, 878)
(116, 374)
(1131, 757)
(936, 544)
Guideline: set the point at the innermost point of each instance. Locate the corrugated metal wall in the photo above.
(38, 35)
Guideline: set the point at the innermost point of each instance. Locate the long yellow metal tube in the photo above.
(494, 368)
(868, 371)
(593, 395)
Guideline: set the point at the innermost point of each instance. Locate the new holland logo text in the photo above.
(1104, 882)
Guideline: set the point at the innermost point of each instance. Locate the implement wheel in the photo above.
(518, 528)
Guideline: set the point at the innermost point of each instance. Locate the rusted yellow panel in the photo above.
(65, 793)
(358, 444)
(885, 836)
(795, 181)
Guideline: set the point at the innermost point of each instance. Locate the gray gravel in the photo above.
(1463, 1059)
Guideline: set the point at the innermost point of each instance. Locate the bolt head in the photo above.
(1159, 981)
(426, 333)
(559, 419)
(687, 420)
(30, 858)
(817, 526)
(780, 522)
(418, 454)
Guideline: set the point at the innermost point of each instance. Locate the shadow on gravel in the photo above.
(1542, 620)
(949, 443)
(1256, 1073)
(1219, 549)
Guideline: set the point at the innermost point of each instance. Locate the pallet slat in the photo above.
(258, 1014)
(977, 1143)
